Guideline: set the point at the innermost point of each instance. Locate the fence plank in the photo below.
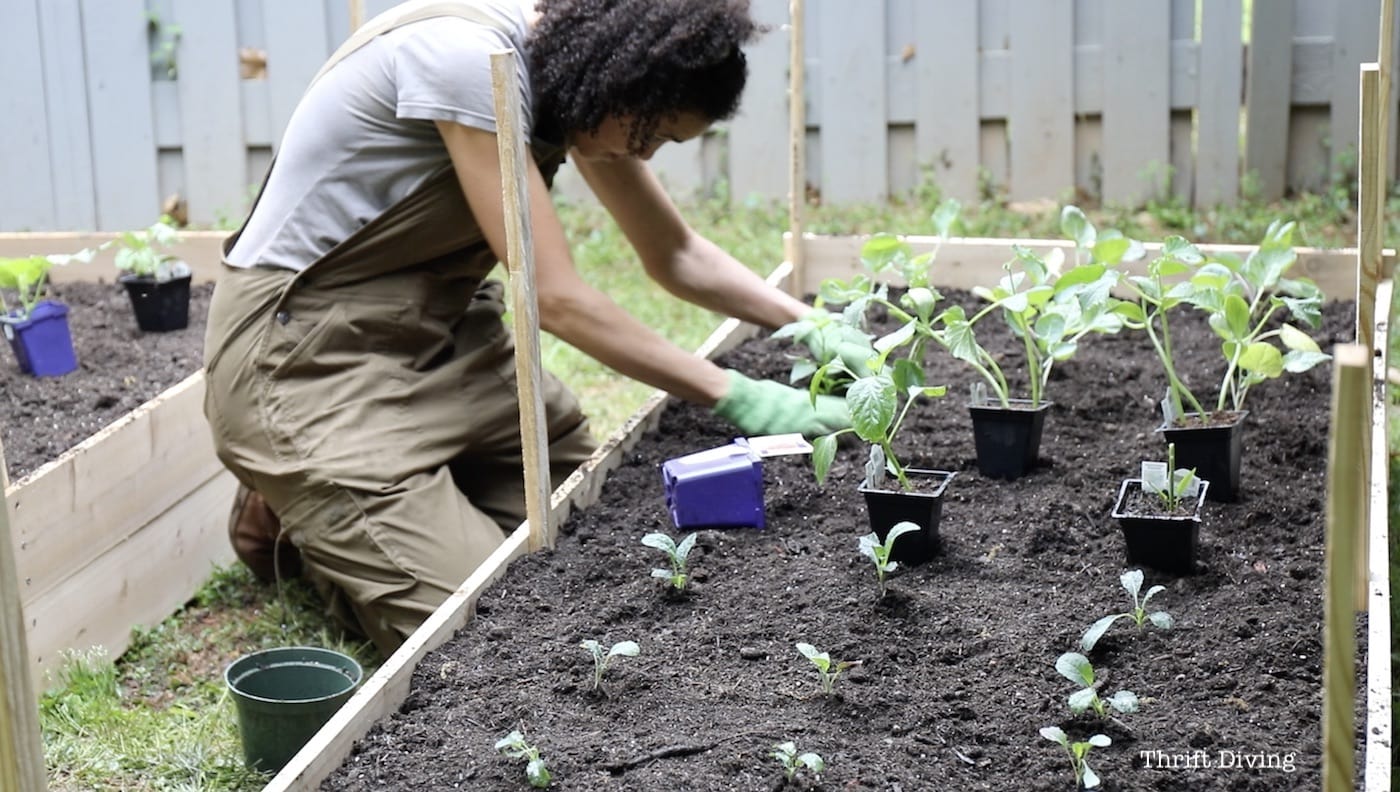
(296, 48)
(758, 133)
(1218, 120)
(947, 122)
(65, 91)
(1354, 41)
(214, 152)
(119, 100)
(1267, 97)
(854, 149)
(28, 200)
(1137, 95)
(1042, 100)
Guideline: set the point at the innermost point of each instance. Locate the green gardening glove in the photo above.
(764, 407)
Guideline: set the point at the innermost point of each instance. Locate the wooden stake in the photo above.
(21, 747)
(1370, 214)
(520, 262)
(1379, 683)
(797, 143)
(1386, 59)
(357, 14)
(1346, 492)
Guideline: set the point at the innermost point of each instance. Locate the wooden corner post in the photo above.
(21, 747)
(797, 146)
(520, 261)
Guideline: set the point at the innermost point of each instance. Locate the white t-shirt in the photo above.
(363, 136)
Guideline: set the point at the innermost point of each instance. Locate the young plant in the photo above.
(1076, 668)
(1240, 299)
(1181, 486)
(827, 668)
(1132, 583)
(601, 657)
(676, 554)
(27, 281)
(1084, 776)
(792, 761)
(514, 746)
(142, 253)
(879, 552)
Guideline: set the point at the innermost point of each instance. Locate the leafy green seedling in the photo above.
(1078, 754)
(879, 552)
(142, 253)
(827, 668)
(514, 746)
(676, 554)
(792, 761)
(602, 656)
(1076, 668)
(1132, 583)
(28, 279)
(1182, 486)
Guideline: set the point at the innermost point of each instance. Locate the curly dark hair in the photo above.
(647, 59)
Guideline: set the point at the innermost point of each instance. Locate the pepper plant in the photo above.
(1076, 668)
(1241, 301)
(1078, 751)
(1140, 616)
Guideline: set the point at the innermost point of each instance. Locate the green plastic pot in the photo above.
(284, 695)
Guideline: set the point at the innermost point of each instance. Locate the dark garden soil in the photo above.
(119, 369)
(957, 661)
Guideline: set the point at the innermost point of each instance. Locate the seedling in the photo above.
(27, 279)
(514, 746)
(792, 761)
(142, 253)
(602, 656)
(1132, 583)
(1084, 776)
(1182, 486)
(1076, 668)
(676, 554)
(827, 668)
(879, 552)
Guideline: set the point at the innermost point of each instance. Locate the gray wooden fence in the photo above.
(109, 115)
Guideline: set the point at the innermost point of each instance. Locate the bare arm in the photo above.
(675, 256)
(570, 308)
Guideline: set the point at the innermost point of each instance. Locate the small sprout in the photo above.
(1078, 754)
(514, 746)
(1076, 668)
(786, 754)
(879, 552)
(826, 667)
(601, 656)
(1183, 485)
(676, 554)
(1132, 582)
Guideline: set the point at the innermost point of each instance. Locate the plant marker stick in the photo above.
(1379, 682)
(1346, 476)
(520, 261)
(21, 748)
(797, 147)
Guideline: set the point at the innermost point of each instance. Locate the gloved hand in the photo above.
(764, 407)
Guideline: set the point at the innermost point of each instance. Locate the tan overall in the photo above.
(371, 400)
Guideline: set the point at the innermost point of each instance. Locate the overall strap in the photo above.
(402, 14)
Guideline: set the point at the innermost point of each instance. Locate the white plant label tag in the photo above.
(979, 392)
(1168, 413)
(779, 445)
(1192, 489)
(1154, 476)
(9, 333)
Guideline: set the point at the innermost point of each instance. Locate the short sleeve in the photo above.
(442, 72)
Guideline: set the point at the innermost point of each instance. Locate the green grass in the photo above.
(159, 718)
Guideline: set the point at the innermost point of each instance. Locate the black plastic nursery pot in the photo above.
(922, 506)
(1167, 543)
(1212, 451)
(1007, 438)
(42, 342)
(160, 306)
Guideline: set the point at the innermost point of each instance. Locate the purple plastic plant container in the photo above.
(42, 343)
(717, 488)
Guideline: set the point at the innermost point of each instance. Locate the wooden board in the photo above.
(1136, 110)
(1355, 40)
(1267, 95)
(758, 132)
(1380, 680)
(297, 45)
(1041, 117)
(947, 120)
(200, 249)
(28, 197)
(854, 149)
(1218, 119)
(21, 746)
(212, 143)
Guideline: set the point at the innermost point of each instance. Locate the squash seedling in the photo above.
(827, 668)
(792, 761)
(676, 554)
(1076, 668)
(1084, 776)
(514, 746)
(1132, 583)
(879, 552)
(601, 656)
